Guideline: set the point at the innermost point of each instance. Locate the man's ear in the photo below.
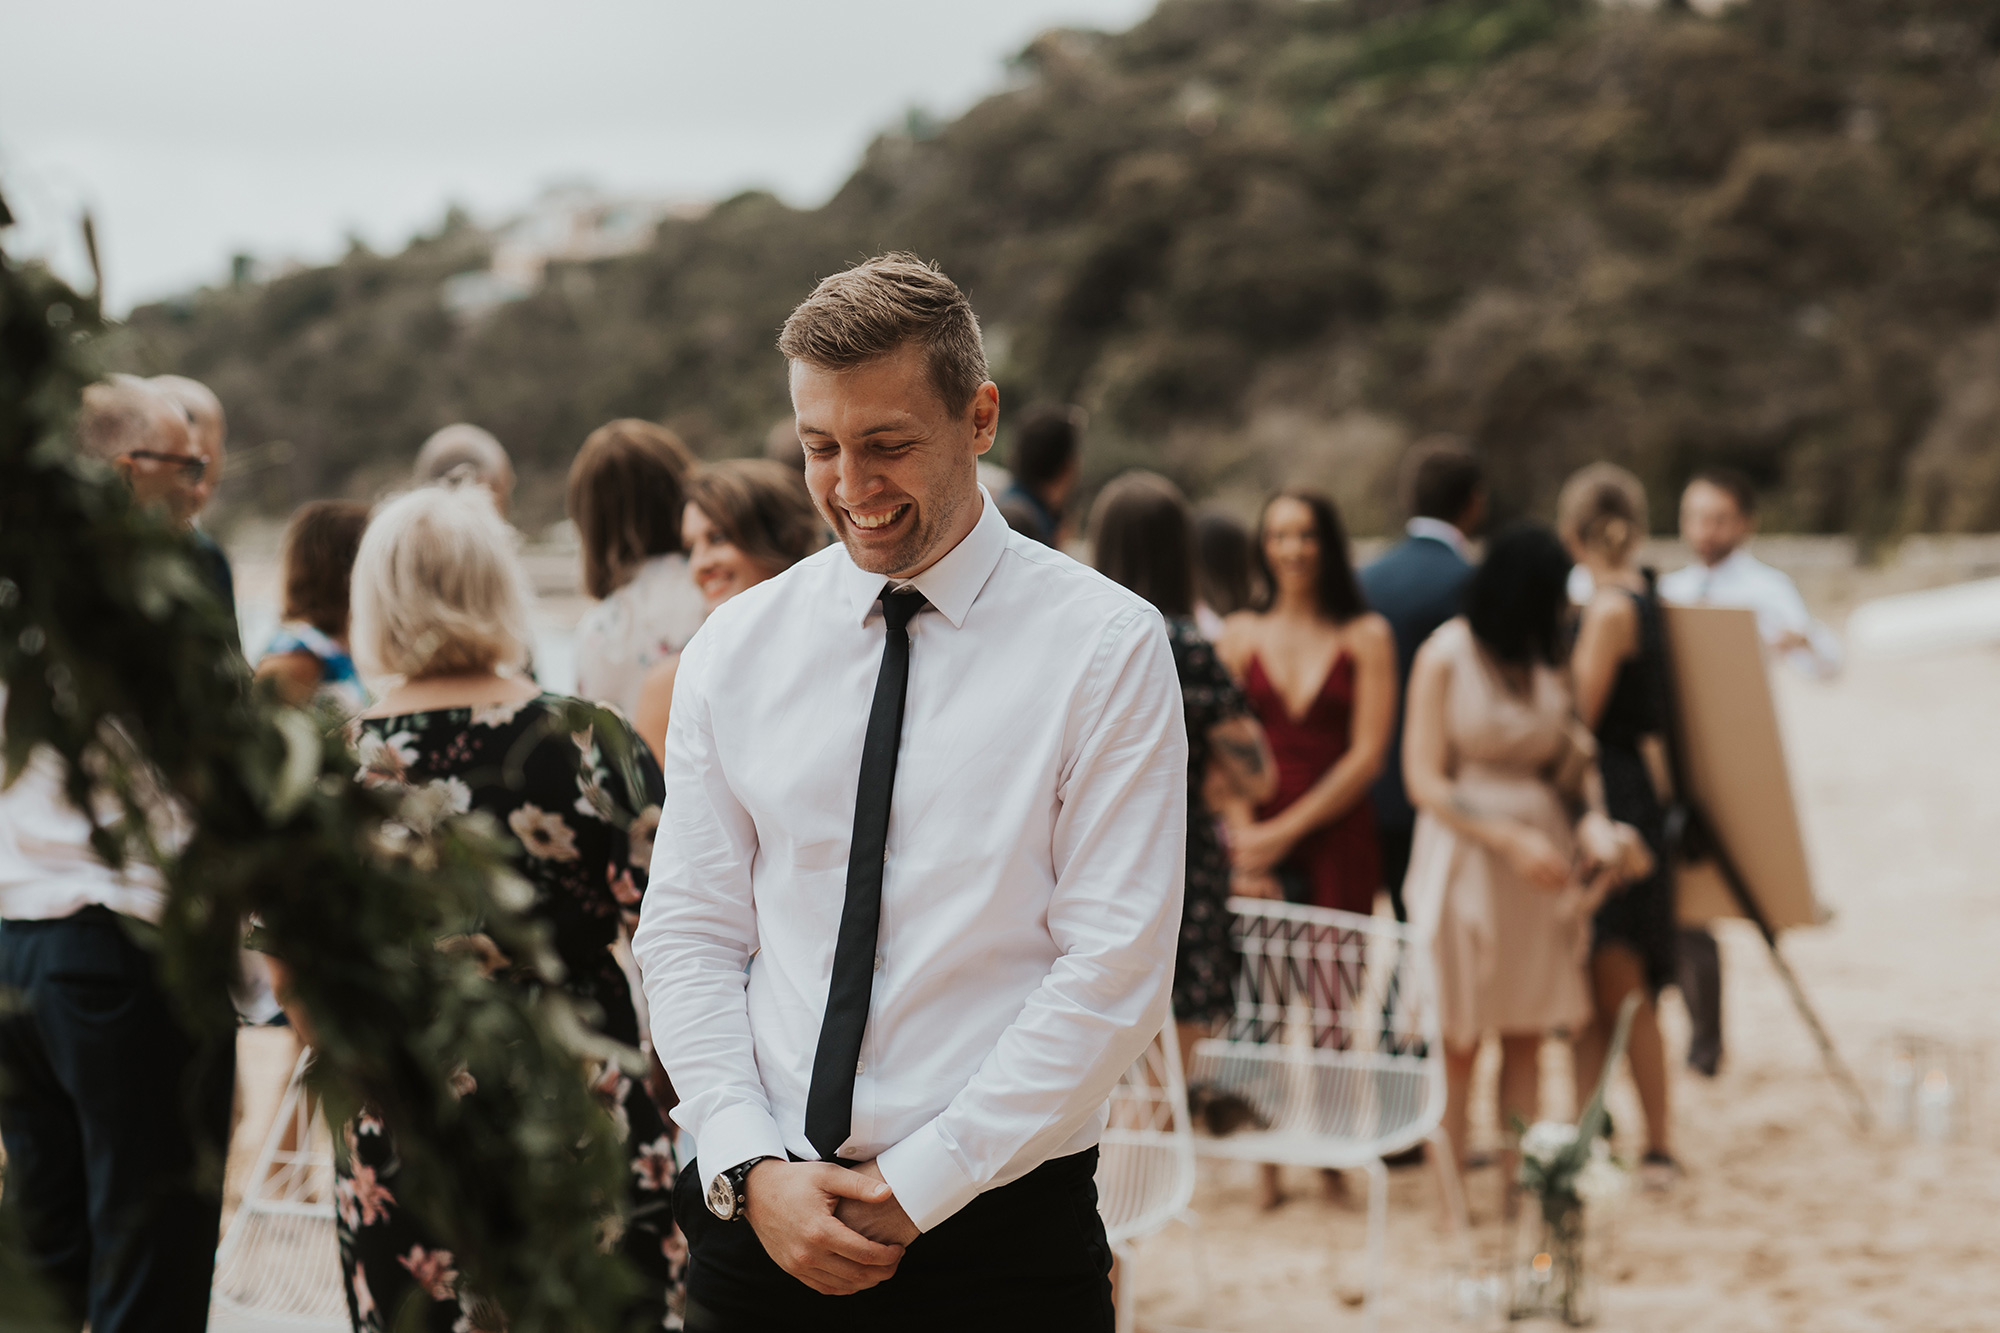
(985, 414)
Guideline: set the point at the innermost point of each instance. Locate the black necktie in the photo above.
(830, 1103)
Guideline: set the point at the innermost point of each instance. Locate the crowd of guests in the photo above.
(1480, 739)
(1477, 737)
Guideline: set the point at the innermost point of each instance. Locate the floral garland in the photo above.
(117, 658)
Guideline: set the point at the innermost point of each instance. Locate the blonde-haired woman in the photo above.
(440, 610)
(1618, 672)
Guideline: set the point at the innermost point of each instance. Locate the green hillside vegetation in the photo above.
(1267, 239)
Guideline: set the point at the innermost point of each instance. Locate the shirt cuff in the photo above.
(928, 1181)
(733, 1136)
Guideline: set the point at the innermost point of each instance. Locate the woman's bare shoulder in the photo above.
(1444, 645)
(1611, 606)
(1241, 633)
(1370, 633)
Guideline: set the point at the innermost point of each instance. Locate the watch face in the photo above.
(722, 1197)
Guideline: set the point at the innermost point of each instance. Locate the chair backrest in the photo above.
(1145, 1162)
(1335, 1036)
(278, 1266)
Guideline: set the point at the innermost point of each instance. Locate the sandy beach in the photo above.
(1788, 1218)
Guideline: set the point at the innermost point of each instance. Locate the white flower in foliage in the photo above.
(456, 795)
(1602, 1179)
(385, 761)
(1546, 1140)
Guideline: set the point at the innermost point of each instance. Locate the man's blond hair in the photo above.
(890, 302)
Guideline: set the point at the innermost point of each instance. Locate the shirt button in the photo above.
(860, 1067)
(878, 962)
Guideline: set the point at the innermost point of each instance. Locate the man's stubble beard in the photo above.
(913, 550)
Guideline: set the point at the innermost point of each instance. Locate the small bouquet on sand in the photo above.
(1564, 1167)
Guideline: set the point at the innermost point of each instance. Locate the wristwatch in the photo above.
(726, 1196)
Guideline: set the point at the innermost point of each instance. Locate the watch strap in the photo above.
(736, 1179)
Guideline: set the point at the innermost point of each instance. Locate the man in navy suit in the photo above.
(1416, 585)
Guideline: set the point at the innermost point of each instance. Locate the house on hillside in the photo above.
(565, 224)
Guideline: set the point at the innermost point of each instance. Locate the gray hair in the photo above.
(122, 413)
(196, 399)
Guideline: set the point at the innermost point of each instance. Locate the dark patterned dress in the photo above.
(1205, 963)
(585, 841)
(1640, 916)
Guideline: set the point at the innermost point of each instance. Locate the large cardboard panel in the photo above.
(1734, 762)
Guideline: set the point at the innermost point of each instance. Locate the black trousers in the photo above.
(1027, 1256)
(1701, 989)
(1392, 845)
(116, 1123)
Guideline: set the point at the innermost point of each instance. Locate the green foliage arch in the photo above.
(117, 658)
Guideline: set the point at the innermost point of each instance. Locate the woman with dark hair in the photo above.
(1512, 850)
(747, 520)
(1142, 535)
(1221, 569)
(308, 658)
(1320, 669)
(627, 490)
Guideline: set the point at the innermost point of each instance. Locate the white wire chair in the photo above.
(1145, 1159)
(278, 1266)
(1334, 1052)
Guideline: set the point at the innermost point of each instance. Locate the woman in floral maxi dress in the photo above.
(585, 839)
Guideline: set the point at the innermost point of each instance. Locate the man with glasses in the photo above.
(208, 430)
(115, 1116)
(149, 438)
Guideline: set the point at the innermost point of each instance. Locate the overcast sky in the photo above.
(198, 128)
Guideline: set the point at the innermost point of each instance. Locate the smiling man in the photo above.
(918, 881)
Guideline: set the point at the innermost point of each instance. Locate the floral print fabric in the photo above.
(585, 839)
(1205, 963)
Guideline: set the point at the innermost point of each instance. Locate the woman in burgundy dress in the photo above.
(1320, 670)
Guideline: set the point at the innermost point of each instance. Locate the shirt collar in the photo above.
(1440, 531)
(953, 582)
(1738, 562)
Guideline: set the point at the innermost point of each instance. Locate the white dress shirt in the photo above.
(1032, 893)
(644, 622)
(48, 868)
(1743, 580)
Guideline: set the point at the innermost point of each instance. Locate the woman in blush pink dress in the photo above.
(1512, 851)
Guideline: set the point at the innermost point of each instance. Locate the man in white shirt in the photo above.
(114, 1116)
(918, 879)
(1718, 518)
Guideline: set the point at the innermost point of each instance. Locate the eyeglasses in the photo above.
(192, 466)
